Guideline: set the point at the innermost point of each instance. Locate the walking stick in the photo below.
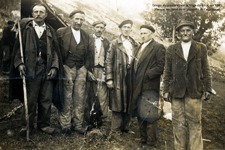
(24, 83)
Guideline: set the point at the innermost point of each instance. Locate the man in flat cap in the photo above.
(118, 77)
(73, 43)
(147, 70)
(40, 66)
(187, 81)
(99, 47)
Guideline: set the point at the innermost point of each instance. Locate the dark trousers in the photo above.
(148, 131)
(39, 91)
(120, 121)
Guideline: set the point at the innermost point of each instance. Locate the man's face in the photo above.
(126, 30)
(39, 13)
(77, 21)
(186, 33)
(146, 34)
(99, 29)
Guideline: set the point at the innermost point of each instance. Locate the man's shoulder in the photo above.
(83, 33)
(61, 30)
(199, 44)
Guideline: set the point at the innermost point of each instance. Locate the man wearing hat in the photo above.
(7, 43)
(147, 70)
(40, 66)
(99, 47)
(73, 43)
(187, 81)
(118, 77)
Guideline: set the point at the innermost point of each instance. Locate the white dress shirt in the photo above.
(186, 49)
(128, 46)
(98, 43)
(144, 45)
(76, 35)
(39, 29)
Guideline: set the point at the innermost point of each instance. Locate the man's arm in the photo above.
(157, 70)
(109, 66)
(167, 70)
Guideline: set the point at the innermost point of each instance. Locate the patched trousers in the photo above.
(74, 90)
(101, 91)
(186, 120)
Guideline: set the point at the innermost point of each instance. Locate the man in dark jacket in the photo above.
(99, 45)
(118, 76)
(147, 70)
(40, 67)
(73, 42)
(8, 41)
(187, 80)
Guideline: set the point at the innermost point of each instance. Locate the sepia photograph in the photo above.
(112, 74)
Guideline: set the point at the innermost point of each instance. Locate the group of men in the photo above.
(119, 72)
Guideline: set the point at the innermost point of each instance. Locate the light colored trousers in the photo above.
(74, 93)
(186, 120)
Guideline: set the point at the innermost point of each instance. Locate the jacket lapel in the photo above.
(179, 51)
(67, 39)
(146, 51)
(193, 50)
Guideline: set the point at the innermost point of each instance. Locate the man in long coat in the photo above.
(99, 46)
(147, 69)
(187, 80)
(40, 67)
(118, 76)
(73, 42)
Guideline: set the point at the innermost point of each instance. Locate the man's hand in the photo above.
(22, 70)
(110, 84)
(207, 95)
(52, 73)
(91, 77)
(166, 97)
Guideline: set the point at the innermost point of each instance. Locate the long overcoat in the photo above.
(150, 66)
(116, 70)
(192, 75)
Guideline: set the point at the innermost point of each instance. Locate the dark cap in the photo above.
(76, 11)
(125, 22)
(148, 27)
(185, 23)
(98, 22)
(10, 22)
(39, 4)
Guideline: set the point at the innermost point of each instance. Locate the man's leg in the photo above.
(143, 132)
(79, 99)
(193, 109)
(152, 133)
(117, 121)
(65, 113)
(44, 103)
(178, 122)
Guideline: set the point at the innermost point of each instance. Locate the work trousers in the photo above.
(186, 120)
(101, 91)
(148, 131)
(74, 97)
(39, 91)
(120, 121)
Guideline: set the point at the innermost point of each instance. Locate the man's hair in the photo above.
(39, 4)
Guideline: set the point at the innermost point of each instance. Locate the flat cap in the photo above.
(148, 27)
(76, 11)
(98, 22)
(185, 23)
(125, 22)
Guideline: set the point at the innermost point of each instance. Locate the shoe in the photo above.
(66, 131)
(152, 143)
(49, 130)
(80, 130)
(128, 131)
(115, 135)
(143, 140)
(23, 132)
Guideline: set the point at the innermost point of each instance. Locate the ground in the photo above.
(213, 125)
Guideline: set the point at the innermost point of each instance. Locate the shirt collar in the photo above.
(123, 39)
(101, 38)
(35, 24)
(76, 31)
